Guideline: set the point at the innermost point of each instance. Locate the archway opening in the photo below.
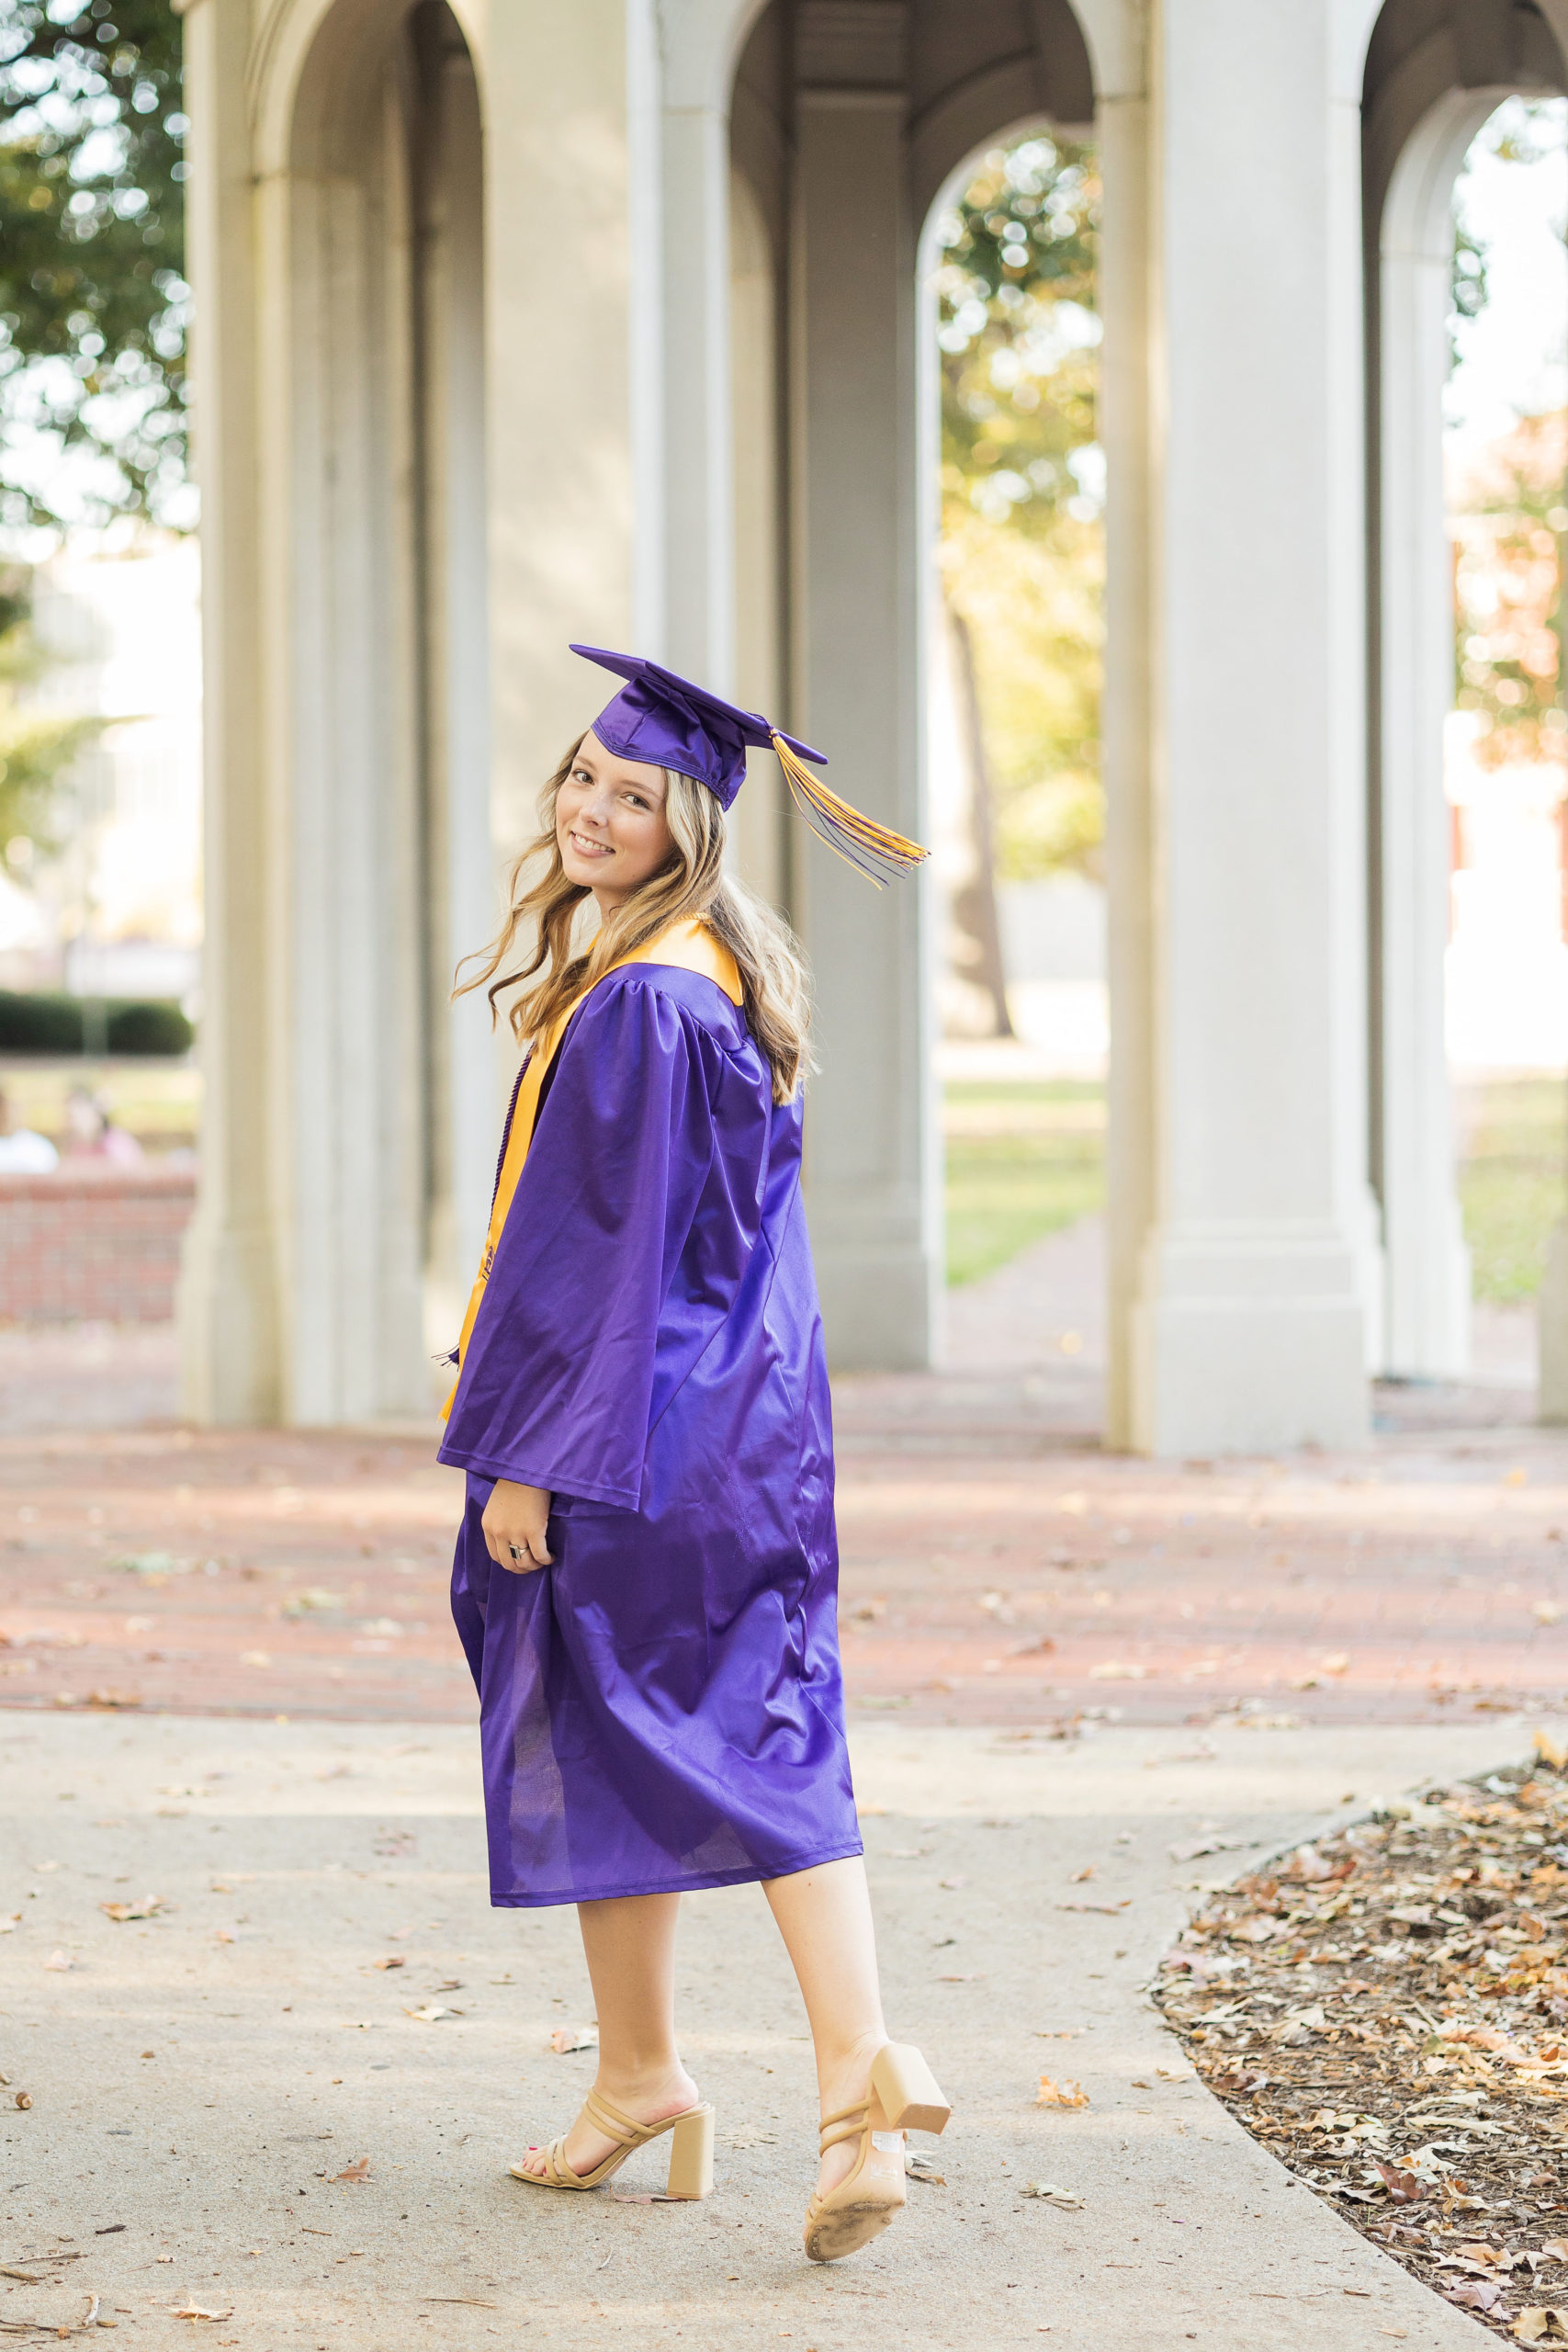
(1469, 297)
(848, 137)
(388, 1120)
(1506, 741)
(1015, 650)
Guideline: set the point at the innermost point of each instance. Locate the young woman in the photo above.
(645, 1576)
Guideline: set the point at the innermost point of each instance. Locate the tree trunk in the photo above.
(975, 907)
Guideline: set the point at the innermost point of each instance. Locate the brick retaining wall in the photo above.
(94, 1243)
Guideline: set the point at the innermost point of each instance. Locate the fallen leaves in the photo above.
(1065, 2094)
(202, 2311)
(357, 2171)
(147, 1909)
(393, 1960)
(1239, 2084)
(60, 1961)
(923, 2167)
(568, 2037)
(431, 2013)
(1066, 2199)
(1405, 1982)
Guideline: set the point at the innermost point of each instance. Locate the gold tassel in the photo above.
(871, 848)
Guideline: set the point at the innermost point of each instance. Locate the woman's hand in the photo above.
(514, 1523)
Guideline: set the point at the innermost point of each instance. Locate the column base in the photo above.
(881, 1307)
(226, 1317)
(1428, 1315)
(1552, 1310)
(1249, 1340)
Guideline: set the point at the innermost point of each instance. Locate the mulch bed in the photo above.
(1387, 2011)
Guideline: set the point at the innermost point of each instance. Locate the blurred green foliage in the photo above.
(93, 306)
(40, 1023)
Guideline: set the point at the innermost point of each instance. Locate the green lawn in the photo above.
(1021, 1162)
(1024, 1160)
(1513, 1180)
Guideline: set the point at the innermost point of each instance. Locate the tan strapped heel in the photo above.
(690, 2150)
(904, 2097)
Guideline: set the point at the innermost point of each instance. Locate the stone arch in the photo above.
(370, 554)
(1435, 70)
(847, 118)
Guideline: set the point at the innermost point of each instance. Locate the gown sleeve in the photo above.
(558, 1380)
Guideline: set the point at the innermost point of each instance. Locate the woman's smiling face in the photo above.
(610, 823)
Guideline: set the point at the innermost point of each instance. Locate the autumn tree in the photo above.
(94, 305)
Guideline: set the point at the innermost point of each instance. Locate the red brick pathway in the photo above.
(997, 1566)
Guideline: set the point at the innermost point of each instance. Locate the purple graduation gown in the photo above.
(662, 1708)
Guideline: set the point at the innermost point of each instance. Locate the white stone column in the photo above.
(761, 818)
(717, 613)
(1250, 1329)
(567, 389)
(1552, 1314)
(228, 1313)
(459, 852)
(1428, 1322)
(872, 1167)
(1123, 125)
(698, 515)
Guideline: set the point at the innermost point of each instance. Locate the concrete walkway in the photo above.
(200, 2080)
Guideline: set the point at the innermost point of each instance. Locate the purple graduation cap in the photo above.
(670, 723)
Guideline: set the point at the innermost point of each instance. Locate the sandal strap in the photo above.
(614, 2124)
(558, 2172)
(848, 2124)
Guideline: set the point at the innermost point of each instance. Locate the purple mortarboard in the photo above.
(670, 723)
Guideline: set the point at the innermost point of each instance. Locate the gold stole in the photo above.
(689, 947)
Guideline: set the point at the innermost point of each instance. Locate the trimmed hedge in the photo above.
(59, 1025)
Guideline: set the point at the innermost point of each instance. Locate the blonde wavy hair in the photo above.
(776, 990)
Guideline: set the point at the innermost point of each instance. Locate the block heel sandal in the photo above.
(690, 2149)
(904, 2097)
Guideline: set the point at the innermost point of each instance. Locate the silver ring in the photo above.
(514, 1552)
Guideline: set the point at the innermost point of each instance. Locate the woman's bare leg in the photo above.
(824, 1917)
(630, 1948)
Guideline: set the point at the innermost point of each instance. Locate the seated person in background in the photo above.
(90, 1132)
(23, 1151)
